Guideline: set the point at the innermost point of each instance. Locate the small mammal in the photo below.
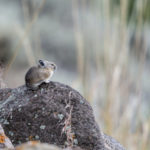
(36, 75)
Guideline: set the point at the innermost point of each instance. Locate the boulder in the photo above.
(55, 114)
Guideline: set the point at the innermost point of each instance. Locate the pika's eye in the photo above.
(41, 63)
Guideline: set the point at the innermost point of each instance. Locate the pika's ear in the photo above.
(41, 63)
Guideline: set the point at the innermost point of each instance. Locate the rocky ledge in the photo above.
(54, 114)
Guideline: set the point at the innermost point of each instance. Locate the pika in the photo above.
(36, 75)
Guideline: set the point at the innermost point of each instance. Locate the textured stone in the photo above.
(33, 145)
(53, 114)
(5, 143)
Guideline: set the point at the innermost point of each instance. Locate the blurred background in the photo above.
(101, 48)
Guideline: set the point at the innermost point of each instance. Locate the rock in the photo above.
(55, 114)
(5, 143)
(34, 145)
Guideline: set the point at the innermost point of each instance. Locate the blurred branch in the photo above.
(78, 37)
(36, 40)
(27, 46)
(2, 83)
(27, 31)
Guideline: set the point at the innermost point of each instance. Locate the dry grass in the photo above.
(117, 113)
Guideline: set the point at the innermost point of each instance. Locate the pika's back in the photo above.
(32, 76)
(36, 75)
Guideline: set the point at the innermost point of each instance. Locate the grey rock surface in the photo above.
(5, 143)
(33, 145)
(55, 114)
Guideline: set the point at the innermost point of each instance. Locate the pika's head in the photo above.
(47, 64)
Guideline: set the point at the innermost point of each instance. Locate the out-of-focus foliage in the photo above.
(133, 11)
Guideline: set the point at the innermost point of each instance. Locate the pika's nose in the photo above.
(54, 66)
